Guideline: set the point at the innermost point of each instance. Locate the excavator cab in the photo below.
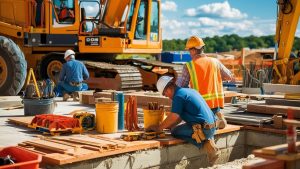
(122, 26)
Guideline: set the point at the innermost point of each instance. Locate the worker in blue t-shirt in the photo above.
(71, 77)
(188, 106)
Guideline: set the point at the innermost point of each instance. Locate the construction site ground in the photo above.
(236, 142)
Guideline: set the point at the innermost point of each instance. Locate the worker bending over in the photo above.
(71, 77)
(205, 74)
(189, 106)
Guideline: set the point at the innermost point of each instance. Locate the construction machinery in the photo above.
(118, 40)
(287, 20)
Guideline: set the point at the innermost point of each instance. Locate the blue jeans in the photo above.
(185, 131)
(64, 87)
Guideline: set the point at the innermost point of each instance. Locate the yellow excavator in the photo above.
(287, 20)
(118, 40)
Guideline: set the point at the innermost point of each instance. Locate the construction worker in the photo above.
(189, 106)
(205, 74)
(71, 77)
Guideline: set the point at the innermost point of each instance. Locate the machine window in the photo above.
(64, 11)
(154, 22)
(141, 23)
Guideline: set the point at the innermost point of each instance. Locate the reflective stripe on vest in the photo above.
(206, 79)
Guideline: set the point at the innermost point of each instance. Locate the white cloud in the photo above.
(193, 24)
(169, 6)
(191, 12)
(220, 10)
(205, 21)
(91, 10)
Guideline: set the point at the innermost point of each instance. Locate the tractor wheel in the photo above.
(51, 66)
(13, 67)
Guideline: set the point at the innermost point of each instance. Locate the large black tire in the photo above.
(47, 61)
(14, 63)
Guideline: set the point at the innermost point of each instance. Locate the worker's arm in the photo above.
(172, 120)
(184, 79)
(225, 73)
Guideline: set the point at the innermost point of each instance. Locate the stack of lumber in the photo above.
(68, 149)
(276, 106)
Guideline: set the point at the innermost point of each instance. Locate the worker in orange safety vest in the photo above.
(205, 74)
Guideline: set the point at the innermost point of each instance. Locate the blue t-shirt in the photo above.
(191, 107)
(73, 71)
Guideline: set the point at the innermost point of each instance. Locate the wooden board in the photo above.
(24, 121)
(285, 102)
(272, 109)
(282, 88)
(65, 151)
(265, 164)
(278, 149)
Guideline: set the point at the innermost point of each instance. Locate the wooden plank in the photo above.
(278, 149)
(273, 109)
(291, 122)
(14, 107)
(265, 164)
(24, 121)
(265, 96)
(282, 88)
(285, 102)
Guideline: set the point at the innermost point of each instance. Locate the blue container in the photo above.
(120, 98)
(176, 57)
(34, 107)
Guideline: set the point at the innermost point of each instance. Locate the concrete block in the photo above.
(236, 139)
(221, 141)
(182, 151)
(141, 159)
(223, 157)
(249, 149)
(236, 152)
(261, 139)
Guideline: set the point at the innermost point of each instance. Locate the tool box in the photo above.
(20, 158)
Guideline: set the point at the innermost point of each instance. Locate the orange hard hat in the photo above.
(194, 42)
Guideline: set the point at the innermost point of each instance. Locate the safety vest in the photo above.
(205, 77)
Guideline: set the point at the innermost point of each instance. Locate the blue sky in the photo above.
(207, 18)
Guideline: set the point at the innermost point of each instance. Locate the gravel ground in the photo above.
(236, 164)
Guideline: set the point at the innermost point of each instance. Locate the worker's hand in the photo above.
(152, 128)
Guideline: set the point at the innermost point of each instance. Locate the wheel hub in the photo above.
(3, 71)
(53, 70)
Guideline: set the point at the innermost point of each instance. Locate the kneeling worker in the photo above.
(189, 106)
(71, 77)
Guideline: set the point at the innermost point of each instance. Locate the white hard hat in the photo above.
(68, 53)
(162, 83)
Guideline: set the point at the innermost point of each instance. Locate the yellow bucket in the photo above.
(107, 117)
(153, 117)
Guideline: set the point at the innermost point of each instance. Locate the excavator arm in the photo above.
(287, 20)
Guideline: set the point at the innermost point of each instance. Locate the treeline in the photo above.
(229, 43)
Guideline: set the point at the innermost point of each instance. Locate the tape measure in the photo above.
(87, 120)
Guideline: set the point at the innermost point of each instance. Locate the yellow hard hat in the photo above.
(194, 42)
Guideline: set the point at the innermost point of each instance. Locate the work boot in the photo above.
(66, 96)
(75, 96)
(221, 122)
(212, 151)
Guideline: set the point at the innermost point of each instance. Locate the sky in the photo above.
(207, 18)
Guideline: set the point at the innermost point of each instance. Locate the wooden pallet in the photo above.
(68, 149)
